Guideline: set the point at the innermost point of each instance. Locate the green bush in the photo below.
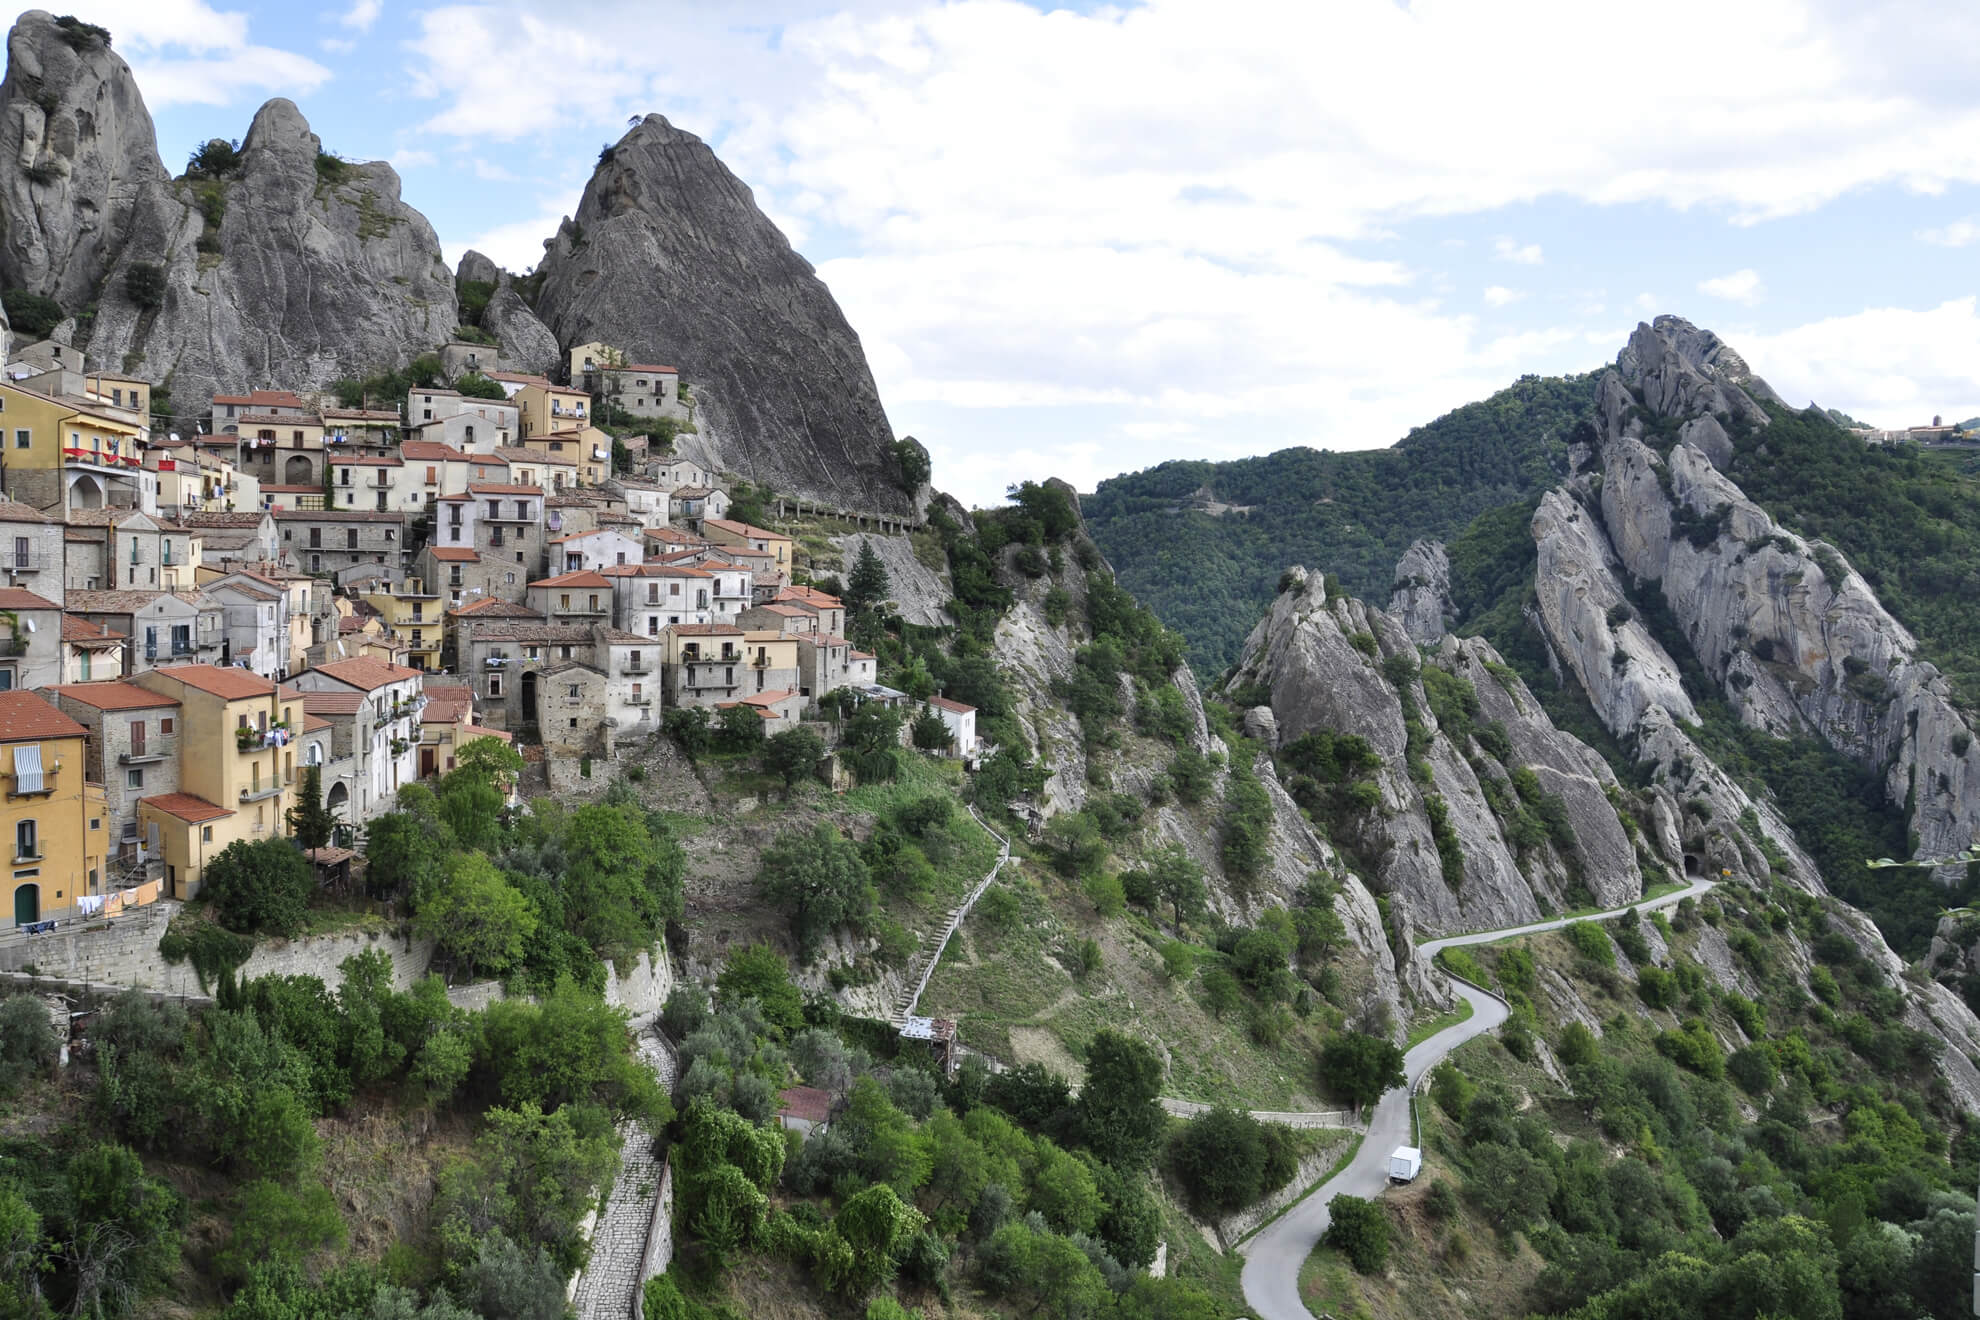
(31, 315)
(1359, 1230)
(1591, 942)
(261, 885)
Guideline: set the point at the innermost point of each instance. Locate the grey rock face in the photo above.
(920, 593)
(670, 259)
(79, 166)
(1422, 598)
(527, 343)
(1320, 676)
(317, 271)
(474, 266)
(1795, 636)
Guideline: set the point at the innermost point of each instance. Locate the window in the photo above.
(23, 438)
(494, 685)
(350, 538)
(563, 653)
(26, 843)
(134, 779)
(166, 725)
(572, 692)
(653, 593)
(344, 476)
(206, 834)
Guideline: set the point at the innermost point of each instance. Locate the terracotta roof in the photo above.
(81, 632)
(542, 384)
(313, 723)
(578, 536)
(513, 454)
(494, 607)
(279, 419)
(580, 578)
(126, 601)
(955, 707)
(226, 682)
(644, 366)
(366, 672)
(428, 451)
(332, 703)
(187, 807)
(807, 1104)
(14, 511)
(723, 566)
(620, 637)
(223, 519)
(821, 639)
(456, 553)
(470, 732)
(26, 715)
(704, 629)
(492, 488)
(20, 598)
(863, 655)
(653, 569)
(266, 398)
(743, 529)
(559, 634)
(788, 611)
(810, 596)
(113, 694)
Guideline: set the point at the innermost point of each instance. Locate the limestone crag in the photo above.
(1794, 635)
(1422, 598)
(919, 593)
(315, 270)
(526, 343)
(80, 175)
(1325, 665)
(669, 258)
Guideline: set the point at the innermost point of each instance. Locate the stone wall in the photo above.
(641, 989)
(322, 956)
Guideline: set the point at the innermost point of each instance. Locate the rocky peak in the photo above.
(1422, 597)
(1679, 370)
(478, 268)
(669, 258)
(78, 159)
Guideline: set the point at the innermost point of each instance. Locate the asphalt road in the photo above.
(1274, 1256)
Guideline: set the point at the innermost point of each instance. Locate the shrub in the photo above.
(1359, 1230)
(31, 315)
(1656, 987)
(1592, 943)
(144, 285)
(1104, 891)
(28, 1043)
(262, 885)
(1225, 1160)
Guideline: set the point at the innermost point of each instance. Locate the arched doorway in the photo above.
(299, 471)
(337, 799)
(86, 492)
(27, 904)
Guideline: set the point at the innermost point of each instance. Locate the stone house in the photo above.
(578, 598)
(164, 627)
(645, 499)
(554, 471)
(433, 469)
(89, 650)
(132, 749)
(380, 485)
(781, 710)
(362, 430)
(140, 550)
(643, 389)
(772, 662)
(508, 519)
(704, 664)
(779, 617)
(335, 541)
(504, 657)
(675, 472)
(32, 550)
(697, 504)
(649, 598)
(264, 544)
(255, 617)
(828, 610)
(742, 536)
(30, 640)
(824, 664)
(385, 729)
(574, 551)
(461, 575)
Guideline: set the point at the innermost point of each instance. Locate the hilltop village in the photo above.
(193, 621)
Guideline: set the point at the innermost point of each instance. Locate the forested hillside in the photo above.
(1351, 514)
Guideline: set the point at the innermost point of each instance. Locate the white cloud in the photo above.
(518, 245)
(187, 52)
(1527, 254)
(1960, 233)
(362, 14)
(1890, 366)
(406, 158)
(1742, 286)
(1498, 295)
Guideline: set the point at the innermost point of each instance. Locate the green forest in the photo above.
(1348, 514)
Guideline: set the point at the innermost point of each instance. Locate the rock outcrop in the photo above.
(1331, 665)
(314, 270)
(526, 343)
(919, 593)
(80, 175)
(1796, 638)
(669, 258)
(1422, 598)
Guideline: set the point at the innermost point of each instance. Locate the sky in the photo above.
(1078, 241)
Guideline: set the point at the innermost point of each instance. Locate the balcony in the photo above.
(594, 610)
(101, 460)
(144, 757)
(27, 859)
(252, 739)
(635, 667)
(19, 563)
(261, 794)
(639, 701)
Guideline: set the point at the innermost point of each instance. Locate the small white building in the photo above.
(960, 721)
(577, 551)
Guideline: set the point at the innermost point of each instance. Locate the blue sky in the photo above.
(1081, 240)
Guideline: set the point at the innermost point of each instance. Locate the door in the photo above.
(27, 904)
(429, 762)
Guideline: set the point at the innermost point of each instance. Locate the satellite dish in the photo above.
(28, 624)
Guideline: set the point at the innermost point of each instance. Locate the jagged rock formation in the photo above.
(1324, 664)
(1422, 599)
(669, 258)
(79, 169)
(920, 594)
(526, 343)
(316, 270)
(1795, 637)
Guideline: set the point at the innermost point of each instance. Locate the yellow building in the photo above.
(121, 392)
(237, 767)
(587, 360)
(415, 616)
(546, 408)
(68, 450)
(587, 448)
(724, 531)
(54, 818)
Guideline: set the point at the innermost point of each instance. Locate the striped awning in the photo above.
(27, 768)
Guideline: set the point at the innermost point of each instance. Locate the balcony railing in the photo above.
(639, 701)
(145, 757)
(19, 563)
(636, 667)
(26, 858)
(258, 794)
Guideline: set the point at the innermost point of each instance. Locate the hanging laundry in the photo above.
(88, 905)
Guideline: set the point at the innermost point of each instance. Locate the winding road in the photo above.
(1274, 1256)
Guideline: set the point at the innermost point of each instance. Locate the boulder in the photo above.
(1422, 597)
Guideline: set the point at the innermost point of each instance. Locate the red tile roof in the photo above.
(186, 807)
(227, 683)
(25, 717)
(742, 529)
(807, 1104)
(459, 553)
(494, 607)
(332, 703)
(581, 578)
(20, 598)
(113, 694)
(492, 488)
(366, 672)
(81, 632)
(954, 707)
(428, 451)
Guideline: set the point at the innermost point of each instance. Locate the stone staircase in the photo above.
(922, 966)
(624, 1252)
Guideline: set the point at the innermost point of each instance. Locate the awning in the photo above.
(27, 769)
